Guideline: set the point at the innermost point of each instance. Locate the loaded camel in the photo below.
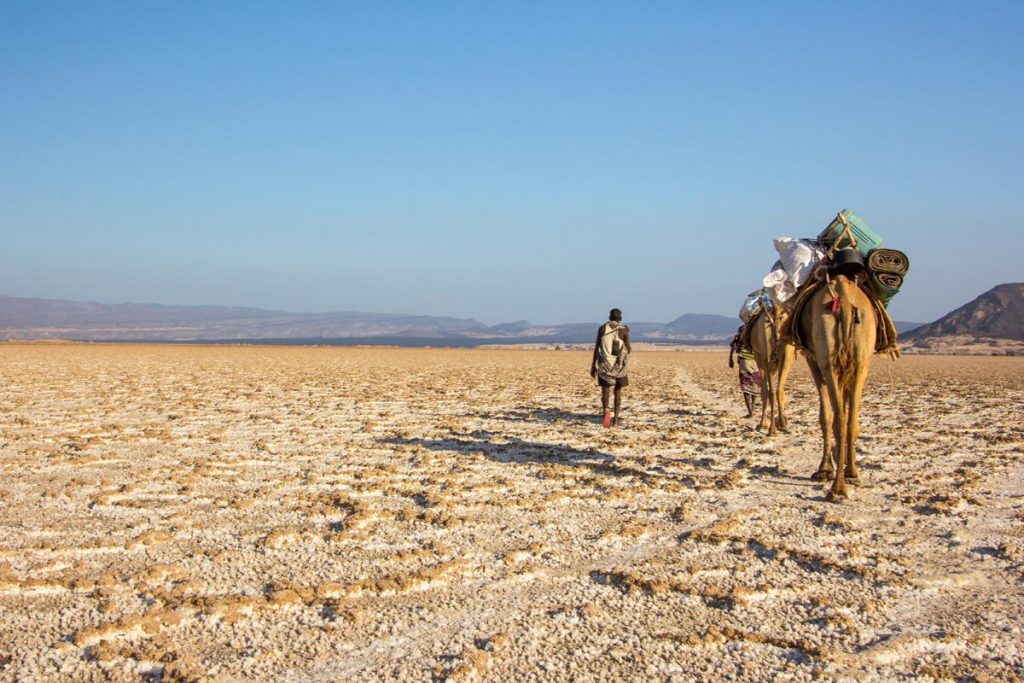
(774, 359)
(838, 325)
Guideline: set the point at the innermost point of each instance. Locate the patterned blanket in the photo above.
(750, 376)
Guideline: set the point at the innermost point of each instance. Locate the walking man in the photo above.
(609, 365)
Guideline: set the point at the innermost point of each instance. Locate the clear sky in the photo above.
(538, 160)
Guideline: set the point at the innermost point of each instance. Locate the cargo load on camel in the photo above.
(848, 246)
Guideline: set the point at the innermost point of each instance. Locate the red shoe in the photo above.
(607, 422)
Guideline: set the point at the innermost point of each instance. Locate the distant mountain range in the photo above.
(25, 318)
(998, 314)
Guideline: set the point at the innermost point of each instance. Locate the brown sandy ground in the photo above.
(204, 513)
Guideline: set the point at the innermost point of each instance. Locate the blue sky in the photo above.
(501, 161)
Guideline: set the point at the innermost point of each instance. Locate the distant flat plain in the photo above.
(280, 513)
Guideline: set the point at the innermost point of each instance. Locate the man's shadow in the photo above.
(549, 415)
(510, 450)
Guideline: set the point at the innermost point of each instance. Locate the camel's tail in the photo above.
(843, 354)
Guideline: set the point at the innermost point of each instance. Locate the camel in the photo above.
(838, 326)
(774, 359)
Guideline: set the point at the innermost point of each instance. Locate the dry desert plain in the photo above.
(261, 513)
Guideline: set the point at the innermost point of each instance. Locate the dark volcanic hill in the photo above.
(996, 314)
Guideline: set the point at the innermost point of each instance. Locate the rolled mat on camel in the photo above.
(847, 246)
(885, 286)
(886, 270)
(888, 261)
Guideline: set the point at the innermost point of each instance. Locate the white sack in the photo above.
(778, 285)
(797, 261)
(799, 258)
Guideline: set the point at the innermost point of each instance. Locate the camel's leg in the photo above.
(840, 411)
(824, 472)
(853, 424)
(763, 424)
(769, 380)
(785, 364)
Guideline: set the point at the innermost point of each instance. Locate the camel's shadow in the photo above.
(774, 475)
(515, 451)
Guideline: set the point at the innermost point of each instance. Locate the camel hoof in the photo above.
(852, 480)
(822, 475)
(836, 496)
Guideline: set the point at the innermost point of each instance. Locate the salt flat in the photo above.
(262, 513)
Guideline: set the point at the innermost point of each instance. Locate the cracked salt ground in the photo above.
(178, 513)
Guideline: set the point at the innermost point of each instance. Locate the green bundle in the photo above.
(885, 286)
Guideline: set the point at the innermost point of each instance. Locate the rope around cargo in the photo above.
(847, 232)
